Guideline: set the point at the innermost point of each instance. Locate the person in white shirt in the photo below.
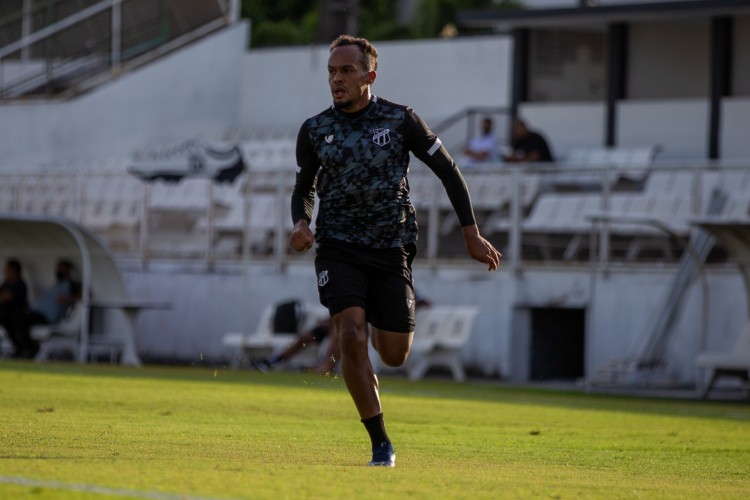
(483, 147)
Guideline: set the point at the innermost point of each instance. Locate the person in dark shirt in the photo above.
(355, 154)
(528, 145)
(13, 307)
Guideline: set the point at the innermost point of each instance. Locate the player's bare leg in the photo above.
(393, 347)
(359, 376)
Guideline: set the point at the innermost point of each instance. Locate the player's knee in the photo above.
(393, 357)
(352, 342)
(394, 360)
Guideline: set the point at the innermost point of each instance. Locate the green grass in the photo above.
(71, 431)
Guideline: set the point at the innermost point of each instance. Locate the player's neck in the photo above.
(356, 111)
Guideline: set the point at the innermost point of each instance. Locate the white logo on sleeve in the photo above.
(381, 136)
(323, 278)
(329, 138)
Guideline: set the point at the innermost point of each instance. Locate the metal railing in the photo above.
(523, 210)
(61, 48)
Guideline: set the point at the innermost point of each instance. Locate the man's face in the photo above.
(10, 274)
(486, 126)
(519, 130)
(62, 272)
(348, 79)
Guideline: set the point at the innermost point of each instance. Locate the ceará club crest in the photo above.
(381, 136)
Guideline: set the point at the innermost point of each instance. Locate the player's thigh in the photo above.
(393, 347)
(390, 294)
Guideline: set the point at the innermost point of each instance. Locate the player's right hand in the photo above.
(302, 238)
(480, 249)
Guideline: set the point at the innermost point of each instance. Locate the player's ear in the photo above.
(371, 77)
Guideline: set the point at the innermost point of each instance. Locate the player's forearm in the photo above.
(302, 207)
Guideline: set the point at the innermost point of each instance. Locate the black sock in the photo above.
(376, 429)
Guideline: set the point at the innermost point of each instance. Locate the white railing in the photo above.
(532, 217)
(112, 33)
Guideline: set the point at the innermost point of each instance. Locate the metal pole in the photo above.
(210, 216)
(234, 11)
(116, 33)
(604, 227)
(514, 237)
(26, 31)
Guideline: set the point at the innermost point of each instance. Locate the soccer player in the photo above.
(366, 225)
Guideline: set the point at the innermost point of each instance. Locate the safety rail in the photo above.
(518, 208)
(62, 48)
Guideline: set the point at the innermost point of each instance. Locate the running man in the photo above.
(366, 225)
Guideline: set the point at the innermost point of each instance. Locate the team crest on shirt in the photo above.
(323, 278)
(381, 136)
(329, 138)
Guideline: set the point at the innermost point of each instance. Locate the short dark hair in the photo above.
(14, 264)
(66, 264)
(369, 52)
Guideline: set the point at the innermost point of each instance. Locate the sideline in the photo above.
(102, 490)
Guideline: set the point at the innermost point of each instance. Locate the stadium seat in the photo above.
(65, 336)
(440, 335)
(264, 340)
(6, 347)
(734, 363)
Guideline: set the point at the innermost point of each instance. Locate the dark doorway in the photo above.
(557, 343)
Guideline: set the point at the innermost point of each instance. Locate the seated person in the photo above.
(316, 334)
(527, 145)
(50, 306)
(483, 147)
(13, 307)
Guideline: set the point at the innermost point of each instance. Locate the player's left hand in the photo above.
(480, 249)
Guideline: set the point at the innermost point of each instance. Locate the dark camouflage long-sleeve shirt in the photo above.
(361, 161)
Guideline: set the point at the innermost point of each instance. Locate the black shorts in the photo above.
(379, 280)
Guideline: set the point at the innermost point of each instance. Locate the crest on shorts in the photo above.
(381, 136)
(323, 278)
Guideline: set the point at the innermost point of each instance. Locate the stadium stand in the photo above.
(630, 164)
(114, 208)
(174, 219)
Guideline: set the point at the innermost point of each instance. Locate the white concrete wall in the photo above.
(680, 126)
(741, 57)
(283, 87)
(567, 125)
(191, 92)
(735, 128)
(619, 308)
(215, 85)
(668, 60)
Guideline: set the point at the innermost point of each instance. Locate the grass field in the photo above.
(72, 431)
